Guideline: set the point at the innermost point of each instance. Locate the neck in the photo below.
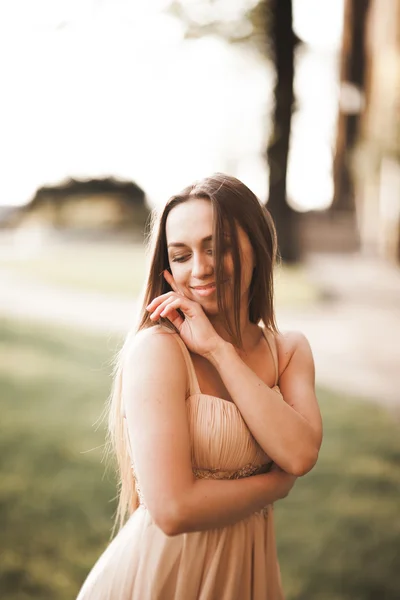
(249, 331)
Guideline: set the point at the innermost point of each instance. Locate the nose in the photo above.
(202, 266)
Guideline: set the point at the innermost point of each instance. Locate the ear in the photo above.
(170, 280)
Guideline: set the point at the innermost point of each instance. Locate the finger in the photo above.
(159, 299)
(158, 309)
(172, 305)
(188, 307)
(170, 312)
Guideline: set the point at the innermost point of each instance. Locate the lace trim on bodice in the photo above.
(245, 471)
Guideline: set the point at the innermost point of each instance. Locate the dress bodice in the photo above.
(221, 442)
(222, 446)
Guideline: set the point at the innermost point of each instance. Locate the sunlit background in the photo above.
(93, 89)
(108, 107)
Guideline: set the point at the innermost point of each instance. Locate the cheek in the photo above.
(179, 272)
(247, 269)
(228, 265)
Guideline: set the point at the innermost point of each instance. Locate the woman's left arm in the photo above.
(287, 426)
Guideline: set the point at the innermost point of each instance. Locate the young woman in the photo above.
(205, 439)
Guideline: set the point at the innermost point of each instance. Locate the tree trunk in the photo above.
(352, 75)
(282, 41)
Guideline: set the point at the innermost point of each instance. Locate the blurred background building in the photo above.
(377, 156)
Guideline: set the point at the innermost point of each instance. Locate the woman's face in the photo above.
(189, 231)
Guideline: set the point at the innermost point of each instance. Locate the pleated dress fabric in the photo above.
(237, 562)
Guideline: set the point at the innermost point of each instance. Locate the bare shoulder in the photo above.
(156, 351)
(156, 339)
(288, 343)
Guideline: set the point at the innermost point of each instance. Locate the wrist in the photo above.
(274, 487)
(219, 352)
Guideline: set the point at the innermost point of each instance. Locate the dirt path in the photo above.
(355, 333)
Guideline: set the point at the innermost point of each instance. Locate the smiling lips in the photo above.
(203, 287)
(205, 290)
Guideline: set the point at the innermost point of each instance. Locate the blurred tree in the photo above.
(267, 25)
(352, 76)
(282, 42)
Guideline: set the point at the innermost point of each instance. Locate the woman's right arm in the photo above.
(154, 394)
(214, 503)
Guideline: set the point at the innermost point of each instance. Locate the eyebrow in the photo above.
(183, 245)
(204, 240)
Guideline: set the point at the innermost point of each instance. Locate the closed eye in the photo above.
(185, 257)
(180, 258)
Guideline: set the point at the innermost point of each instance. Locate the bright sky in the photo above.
(108, 87)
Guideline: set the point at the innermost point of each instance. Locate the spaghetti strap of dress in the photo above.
(193, 382)
(271, 341)
(194, 387)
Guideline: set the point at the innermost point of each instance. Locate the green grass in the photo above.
(338, 531)
(119, 269)
(56, 503)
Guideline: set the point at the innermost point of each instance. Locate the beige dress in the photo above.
(238, 562)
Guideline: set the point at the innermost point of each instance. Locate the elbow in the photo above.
(169, 518)
(169, 528)
(302, 464)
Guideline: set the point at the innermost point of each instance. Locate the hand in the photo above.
(287, 481)
(194, 327)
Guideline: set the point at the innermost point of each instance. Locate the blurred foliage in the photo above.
(243, 21)
(338, 531)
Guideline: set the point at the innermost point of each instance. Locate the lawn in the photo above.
(105, 267)
(338, 531)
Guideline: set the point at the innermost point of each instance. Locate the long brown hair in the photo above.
(233, 204)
